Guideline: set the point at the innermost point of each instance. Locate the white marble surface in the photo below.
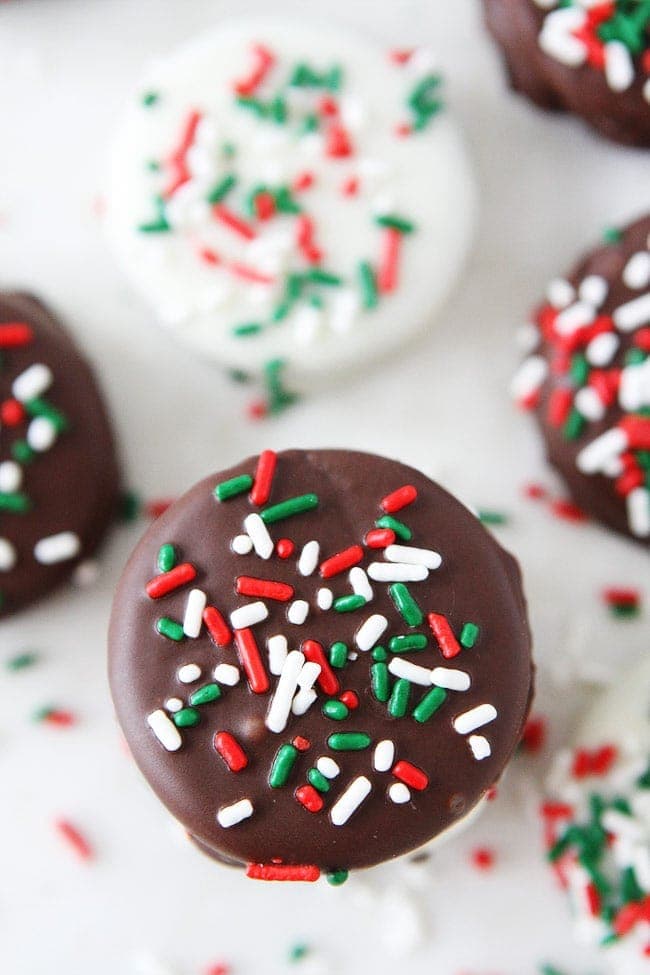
(548, 188)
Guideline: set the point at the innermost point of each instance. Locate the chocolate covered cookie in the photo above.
(320, 660)
(59, 479)
(587, 380)
(589, 58)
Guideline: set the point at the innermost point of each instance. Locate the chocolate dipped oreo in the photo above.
(587, 380)
(59, 479)
(320, 661)
(591, 59)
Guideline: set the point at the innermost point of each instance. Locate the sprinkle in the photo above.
(166, 557)
(33, 382)
(298, 611)
(627, 317)
(41, 434)
(11, 477)
(285, 548)
(636, 274)
(235, 223)
(170, 628)
(595, 455)
(638, 512)
(227, 674)
(280, 707)
(309, 558)
(349, 741)
(483, 858)
(251, 661)
(480, 747)
(401, 530)
(165, 731)
(411, 775)
(248, 615)
(258, 533)
(443, 633)
(619, 67)
(222, 188)
(387, 276)
(286, 509)
(277, 648)
(358, 790)
(399, 793)
(405, 604)
(453, 680)
(340, 562)
(75, 840)
(397, 572)
(303, 701)
(163, 584)
(236, 813)
(7, 555)
(327, 679)
(264, 588)
(370, 631)
(360, 584)
(413, 556)
(14, 335)
(404, 227)
(324, 599)
(338, 655)
(57, 548)
(474, 718)
(283, 763)
(429, 704)
(272, 871)
(348, 604)
(399, 698)
(368, 284)
(380, 681)
(405, 644)
(534, 735)
(233, 487)
(173, 705)
(205, 695)
(216, 626)
(188, 673)
(21, 661)
(492, 517)
(384, 756)
(380, 538)
(410, 672)
(327, 767)
(336, 710)
(230, 750)
(469, 635)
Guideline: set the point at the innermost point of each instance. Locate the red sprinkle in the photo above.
(302, 744)
(157, 507)
(219, 968)
(15, 334)
(327, 679)
(341, 561)
(234, 222)
(593, 900)
(12, 412)
(350, 699)
(216, 626)
(230, 750)
(177, 162)
(263, 481)
(264, 588)
(388, 274)
(559, 406)
(596, 762)
(567, 511)
(443, 633)
(411, 775)
(74, 839)
(305, 232)
(59, 718)
(401, 55)
(251, 661)
(534, 736)
(274, 871)
(637, 429)
(308, 797)
(536, 492)
(380, 538)
(328, 106)
(338, 144)
(621, 597)
(399, 499)
(403, 129)
(169, 581)
(483, 858)
(303, 181)
(264, 61)
(208, 256)
(264, 205)
(250, 274)
(350, 186)
(285, 548)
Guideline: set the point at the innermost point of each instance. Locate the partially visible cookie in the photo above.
(59, 478)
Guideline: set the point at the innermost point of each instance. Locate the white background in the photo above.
(547, 188)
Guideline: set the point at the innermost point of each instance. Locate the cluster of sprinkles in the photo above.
(597, 829)
(612, 36)
(595, 380)
(30, 426)
(297, 672)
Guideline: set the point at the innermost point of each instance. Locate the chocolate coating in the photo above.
(70, 486)
(621, 116)
(570, 368)
(476, 582)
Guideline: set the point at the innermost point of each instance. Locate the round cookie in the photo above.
(587, 380)
(320, 660)
(59, 480)
(589, 58)
(597, 821)
(287, 195)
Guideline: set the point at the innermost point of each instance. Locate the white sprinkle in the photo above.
(11, 476)
(193, 619)
(298, 611)
(529, 377)
(557, 40)
(399, 793)
(413, 672)
(248, 615)
(173, 704)
(453, 680)
(413, 556)
(633, 314)
(259, 536)
(638, 512)
(646, 90)
(303, 701)
(306, 324)
(33, 382)
(231, 815)
(634, 388)
(241, 545)
(397, 572)
(384, 755)
(57, 548)
(277, 647)
(41, 434)
(327, 767)
(369, 632)
(7, 555)
(344, 310)
(636, 273)
(619, 67)
(574, 317)
(308, 558)
(308, 675)
(324, 598)
(592, 457)
(560, 293)
(349, 802)
(621, 825)
(280, 707)
(594, 290)
(602, 348)
(85, 574)
(480, 747)
(360, 585)
(588, 402)
(188, 673)
(474, 718)
(165, 730)
(227, 674)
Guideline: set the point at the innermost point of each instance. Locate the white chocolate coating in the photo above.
(423, 177)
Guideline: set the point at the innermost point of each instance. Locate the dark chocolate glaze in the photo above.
(619, 116)
(595, 493)
(73, 486)
(478, 581)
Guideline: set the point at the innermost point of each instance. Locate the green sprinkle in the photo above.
(406, 643)
(490, 517)
(170, 628)
(574, 425)
(338, 655)
(205, 695)
(40, 407)
(395, 222)
(318, 780)
(153, 166)
(349, 741)
(469, 635)
(15, 502)
(228, 150)
(368, 284)
(150, 98)
(166, 557)
(285, 202)
(222, 188)
(380, 681)
(310, 123)
(401, 530)
(405, 604)
(298, 952)
(630, 890)
(233, 487)
(579, 370)
(186, 718)
(159, 224)
(623, 611)
(379, 654)
(347, 604)
(337, 877)
(129, 506)
(279, 397)
(429, 704)
(22, 452)
(283, 763)
(612, 235)
(246, 329)
(336, 710)
(289, 508)
(318, 276)
(399, 698)
(21, 661)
